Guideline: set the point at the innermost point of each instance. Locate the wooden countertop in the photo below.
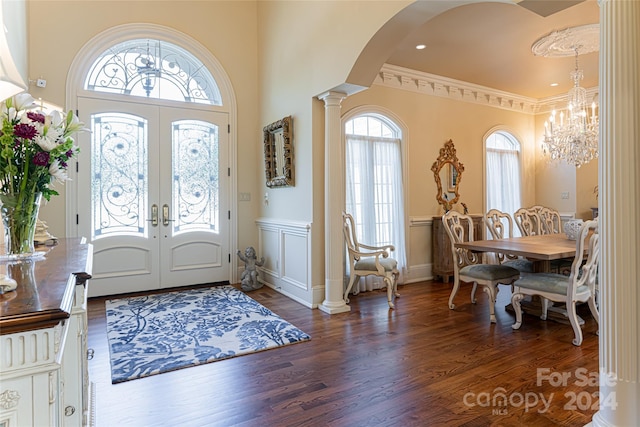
(46, 285)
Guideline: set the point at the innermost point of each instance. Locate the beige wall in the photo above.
(306, 48)
(58, 29)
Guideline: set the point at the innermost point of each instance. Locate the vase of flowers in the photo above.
(35, 149)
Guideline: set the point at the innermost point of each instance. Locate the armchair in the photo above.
(365, 260)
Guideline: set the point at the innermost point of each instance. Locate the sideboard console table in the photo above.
(44, 377)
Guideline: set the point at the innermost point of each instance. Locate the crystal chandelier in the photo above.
(572, 135)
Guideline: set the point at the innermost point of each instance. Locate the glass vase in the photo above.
(19, 217)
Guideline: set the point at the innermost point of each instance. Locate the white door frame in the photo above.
(75, 82)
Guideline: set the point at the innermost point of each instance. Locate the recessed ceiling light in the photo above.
(421, 46)
(554, 84)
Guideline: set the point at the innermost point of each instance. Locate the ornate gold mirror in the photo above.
(278, 153)
(447, 171)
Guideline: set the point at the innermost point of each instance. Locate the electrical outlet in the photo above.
(564, 195)
(41, 83)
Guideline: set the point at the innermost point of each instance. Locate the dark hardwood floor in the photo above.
(419, 365)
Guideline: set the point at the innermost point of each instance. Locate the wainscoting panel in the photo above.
(286, 247)
(419, 256)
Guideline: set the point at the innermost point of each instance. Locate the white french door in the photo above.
(153, 195)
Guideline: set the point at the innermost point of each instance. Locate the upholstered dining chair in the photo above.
(367, 260)
(500, 226)
(579, 286)
(468, 266)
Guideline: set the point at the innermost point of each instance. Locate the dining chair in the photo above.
(468, 265)
(528, 221)
(579, 286)
(551, 221)
(500, 226)
(367, 260)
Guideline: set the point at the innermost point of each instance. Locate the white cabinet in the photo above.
(43, 336)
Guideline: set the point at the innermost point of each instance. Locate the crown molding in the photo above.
(434, 85)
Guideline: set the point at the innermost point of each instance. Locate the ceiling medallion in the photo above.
(585, 38)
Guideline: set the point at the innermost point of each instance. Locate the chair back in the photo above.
(528, 221)
(459, 228)
(551, 221)
(500, 226)
(584, 270)
(349, 231)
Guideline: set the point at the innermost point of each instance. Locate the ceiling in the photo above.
(489, 44)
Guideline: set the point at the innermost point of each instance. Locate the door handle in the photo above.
(165, 215)
(154, 215)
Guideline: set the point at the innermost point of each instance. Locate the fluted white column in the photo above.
(334, 203)
(619, 211)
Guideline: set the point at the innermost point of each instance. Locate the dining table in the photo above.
(540, 250)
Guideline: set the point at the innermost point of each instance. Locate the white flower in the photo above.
(55, 119)
(74, 124)
(57, 173)
(48, 142)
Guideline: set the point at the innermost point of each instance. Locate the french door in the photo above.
(153, 195)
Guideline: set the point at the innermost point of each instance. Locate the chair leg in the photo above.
(573, 318)
(491, 292)
(545, 308)
(593, 307)
(473, 292)
(389, 281)
(354, 278)
(454, 291)
(395, 275)
(515, 302)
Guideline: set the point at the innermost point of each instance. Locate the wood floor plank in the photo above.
(419, 365)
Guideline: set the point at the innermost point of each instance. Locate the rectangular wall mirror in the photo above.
(278, 153)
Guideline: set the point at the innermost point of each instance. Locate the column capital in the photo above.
(331, 97)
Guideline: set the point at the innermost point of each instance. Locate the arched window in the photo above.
(153, 69)
(374, 190)
(503, 172)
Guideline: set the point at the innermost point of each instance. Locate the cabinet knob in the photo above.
(69, 410)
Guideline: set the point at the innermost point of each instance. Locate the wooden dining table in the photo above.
(541, 249)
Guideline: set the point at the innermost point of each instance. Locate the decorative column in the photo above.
(619, 207)
(333, 205)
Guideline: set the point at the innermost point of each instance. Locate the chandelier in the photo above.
(572, 135)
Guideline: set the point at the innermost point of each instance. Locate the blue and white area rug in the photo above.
(158, 333)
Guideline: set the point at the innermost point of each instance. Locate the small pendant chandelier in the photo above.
(572, 135)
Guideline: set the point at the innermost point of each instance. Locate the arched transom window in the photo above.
(153, 69)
